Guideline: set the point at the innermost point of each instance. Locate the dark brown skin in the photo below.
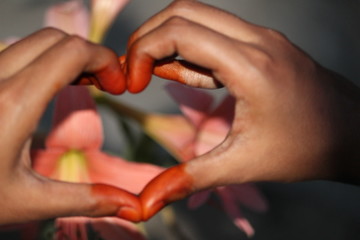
(294, 120)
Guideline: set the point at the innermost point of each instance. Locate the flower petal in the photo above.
(249, 195)
(174, 133)
(225, 110)
(215, 128)
(76, 123)
(3, 46)
(211, 135)
(71, 17)
(116, 228)
(108, 228)
(198, 199)
(195, 104)
(44, 162)
(115, 171)
(103, 13)
(234, 211)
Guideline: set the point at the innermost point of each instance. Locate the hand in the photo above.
(32, 71)
(294, 120)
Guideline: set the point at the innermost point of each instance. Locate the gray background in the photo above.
(327, 29)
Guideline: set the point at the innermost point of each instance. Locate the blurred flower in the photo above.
(4, 43)
(72, 153)
(72, 17)
(103, 13)
(2, 46)
(201, 128)
(26, 231)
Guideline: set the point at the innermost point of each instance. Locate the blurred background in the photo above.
(328, 30)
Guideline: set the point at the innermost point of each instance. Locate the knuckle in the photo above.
(180, 7)
(263, 59)
(274, 36)
(76, 44)
(176, 24)
(262, 62)
(277, 35)
(50, 32)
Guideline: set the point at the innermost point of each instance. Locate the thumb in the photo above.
(177, 183)
(45, 198)
(218, 167)
(171, 185)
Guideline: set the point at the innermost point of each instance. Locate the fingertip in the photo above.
(135, 87)
(151, 208)
(117, 88)
(138, 81)
(138, 72)
(117, 202)
(130, 214)
(113, 82)
(172, 185)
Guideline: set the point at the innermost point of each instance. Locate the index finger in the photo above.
(25, 95)
(20, 54)
(198, 45)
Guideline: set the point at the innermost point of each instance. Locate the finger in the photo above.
(181, 71)
(49, 199)
(199, 45)
(206, 15)
(20, 54)
(179, 182)
(25, 96)
(224, 165)
(185, 72)
(171, 185)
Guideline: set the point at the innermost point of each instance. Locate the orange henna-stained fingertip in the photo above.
(110, 79)
(138, 72)
(171, 185)
(115, 201)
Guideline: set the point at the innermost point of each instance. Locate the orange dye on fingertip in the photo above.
(171, 70)
(172, 185)
(116, 202)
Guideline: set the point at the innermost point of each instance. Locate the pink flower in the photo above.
(103, 13)
(72, 153)
(2, 46)
(72, 17)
